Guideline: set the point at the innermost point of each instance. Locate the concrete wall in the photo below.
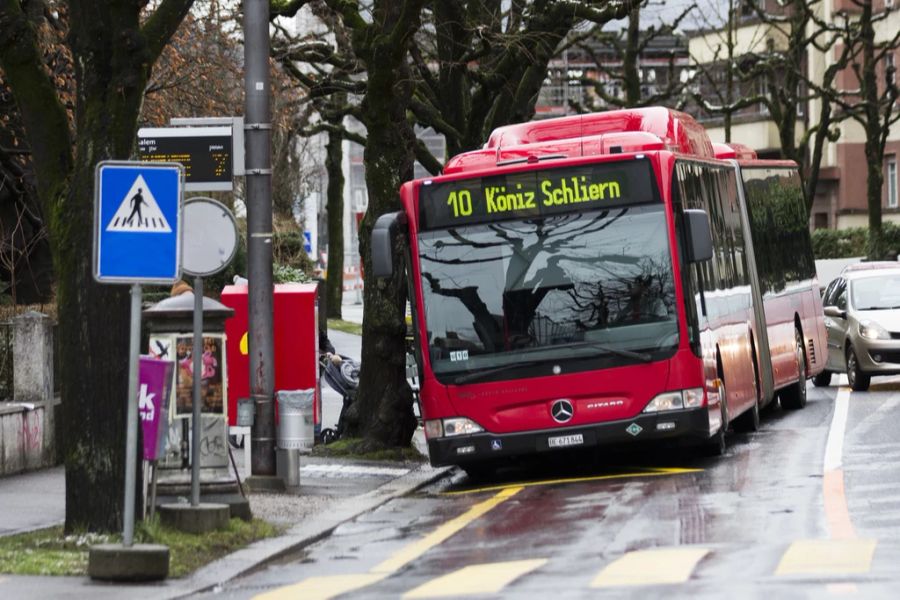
(27, 425)
(22, 438)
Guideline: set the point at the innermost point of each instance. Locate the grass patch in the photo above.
(345, 326)
(49, 552)
(360, 449)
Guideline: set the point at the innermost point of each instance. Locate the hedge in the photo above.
(846, 243)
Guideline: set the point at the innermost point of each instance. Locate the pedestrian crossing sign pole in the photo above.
(137, 240)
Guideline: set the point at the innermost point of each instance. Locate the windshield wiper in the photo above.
(641, 356)
(472, 376)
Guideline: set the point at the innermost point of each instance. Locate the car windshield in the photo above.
(559, 287)
(881, 292)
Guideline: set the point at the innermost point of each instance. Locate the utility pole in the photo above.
(257, 142)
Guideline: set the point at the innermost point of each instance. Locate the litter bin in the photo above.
(296, 428)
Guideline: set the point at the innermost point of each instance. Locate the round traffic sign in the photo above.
(210, 236)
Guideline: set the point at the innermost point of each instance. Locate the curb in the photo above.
(313, 529)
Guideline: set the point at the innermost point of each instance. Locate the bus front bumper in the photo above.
(691, 425)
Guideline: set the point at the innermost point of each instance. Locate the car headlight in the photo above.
(873, 331)
(435, 428)
(690, 398)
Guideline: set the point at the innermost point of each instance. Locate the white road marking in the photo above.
(834, 447)
(827, 557)
(654, 566)
(473, 580)
(338, 470)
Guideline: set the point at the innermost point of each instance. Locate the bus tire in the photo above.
(793, 397)
(859, 381)
(748, 421)
(823, 379)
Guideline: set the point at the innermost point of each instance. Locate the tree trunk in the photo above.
(874, 182)
(872, 126)
(631, 72)
(94, 318)
(334, 284)
(384, 395)
(112, 54)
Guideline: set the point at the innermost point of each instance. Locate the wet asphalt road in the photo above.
(788, 513)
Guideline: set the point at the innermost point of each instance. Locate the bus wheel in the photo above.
(859, 381)
(823, 379)
(793, 397)
(749, 420)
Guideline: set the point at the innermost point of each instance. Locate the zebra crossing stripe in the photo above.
(325, 587)
(488, 578)
(322, 587)
(827, 557)
(439, 535)
(656, 566)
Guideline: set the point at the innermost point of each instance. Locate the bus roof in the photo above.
(735, 151)
(593, 134)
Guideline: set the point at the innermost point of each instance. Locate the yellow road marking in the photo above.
(655, 566)
(827, 557)
(654, 472)
(487, 578)
(417, 549)
(323, 588)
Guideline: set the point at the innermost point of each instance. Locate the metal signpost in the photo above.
(137, 227)
(210, 244)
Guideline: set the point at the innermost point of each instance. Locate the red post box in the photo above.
(296, 343)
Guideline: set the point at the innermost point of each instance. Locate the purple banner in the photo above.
(154, 388)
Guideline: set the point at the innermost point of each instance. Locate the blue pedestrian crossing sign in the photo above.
(137, 222)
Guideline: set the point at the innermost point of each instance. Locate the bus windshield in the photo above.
(561, 287)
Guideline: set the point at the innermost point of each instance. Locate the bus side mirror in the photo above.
(383, 234)
(698, 234)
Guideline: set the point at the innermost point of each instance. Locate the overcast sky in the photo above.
(708, 13)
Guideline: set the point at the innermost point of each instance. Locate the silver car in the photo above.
(862, 316)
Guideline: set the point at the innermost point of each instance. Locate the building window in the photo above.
(890, 70)
(820, 220)
(890, 179)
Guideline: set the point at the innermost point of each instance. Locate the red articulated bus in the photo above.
(602, 279)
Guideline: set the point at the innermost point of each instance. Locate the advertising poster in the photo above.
(212, 379)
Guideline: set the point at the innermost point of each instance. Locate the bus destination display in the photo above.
(207, 157)
(535, 193)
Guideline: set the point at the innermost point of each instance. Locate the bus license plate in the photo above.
(562, 441)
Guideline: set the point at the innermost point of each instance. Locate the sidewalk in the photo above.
(332, 491)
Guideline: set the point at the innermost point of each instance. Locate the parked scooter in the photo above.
(341, 373)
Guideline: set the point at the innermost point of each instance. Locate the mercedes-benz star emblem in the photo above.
(561, 411)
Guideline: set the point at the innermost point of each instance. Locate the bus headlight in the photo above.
(873, 331)
(435, 428)
(689, 398)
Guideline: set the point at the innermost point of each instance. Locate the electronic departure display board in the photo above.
(205, 152)
(539, 192)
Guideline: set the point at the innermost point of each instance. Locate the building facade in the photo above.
(840, 201)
